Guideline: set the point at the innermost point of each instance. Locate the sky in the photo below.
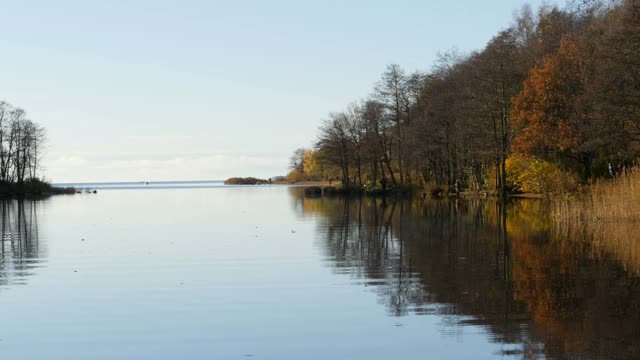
(151, 90)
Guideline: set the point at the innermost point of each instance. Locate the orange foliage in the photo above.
(544, 113)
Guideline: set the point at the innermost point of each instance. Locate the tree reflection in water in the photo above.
(481, 262)
(20, 251)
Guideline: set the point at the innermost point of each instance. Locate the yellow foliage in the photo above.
(312, 168)
(531, 175)
(294, 176)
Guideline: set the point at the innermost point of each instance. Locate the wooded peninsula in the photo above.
(550, 103)
(21, 144)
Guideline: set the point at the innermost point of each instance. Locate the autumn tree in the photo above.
(560, 85)
(547, 112)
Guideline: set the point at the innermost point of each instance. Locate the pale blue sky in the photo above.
(195, 90)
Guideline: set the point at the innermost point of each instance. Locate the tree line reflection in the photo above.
(20, 249)
(503, 267)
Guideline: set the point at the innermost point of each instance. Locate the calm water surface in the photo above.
(207, 271)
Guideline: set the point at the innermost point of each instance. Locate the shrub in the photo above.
(295, 176)
(531, 175)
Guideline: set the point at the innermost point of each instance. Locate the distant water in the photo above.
(262, 272)
(137, 185)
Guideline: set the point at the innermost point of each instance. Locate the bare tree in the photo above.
(21, 143)
(392, 91)
(296, 161)
(334, 143)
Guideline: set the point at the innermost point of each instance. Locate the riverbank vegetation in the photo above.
(607, 214)
(550, 103)
(21, 145)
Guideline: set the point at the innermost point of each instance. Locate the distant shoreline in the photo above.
(32, 187)
(103, 183)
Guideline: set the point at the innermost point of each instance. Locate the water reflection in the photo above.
(480, 262)
(20, 249)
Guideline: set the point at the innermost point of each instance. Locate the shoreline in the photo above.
(303, 183)
(32, 188)
(327, 189)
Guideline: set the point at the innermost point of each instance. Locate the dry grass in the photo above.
(607, 215)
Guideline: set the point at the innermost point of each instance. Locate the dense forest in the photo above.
(550, 102)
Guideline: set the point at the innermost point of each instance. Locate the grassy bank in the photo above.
(32, 187)
(607, 213)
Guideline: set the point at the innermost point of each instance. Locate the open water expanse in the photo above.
(205, 271)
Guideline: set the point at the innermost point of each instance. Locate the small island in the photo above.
(246, 181)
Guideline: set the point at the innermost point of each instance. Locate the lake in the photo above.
(203, 270)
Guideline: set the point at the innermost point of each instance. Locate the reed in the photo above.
(607, 215)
